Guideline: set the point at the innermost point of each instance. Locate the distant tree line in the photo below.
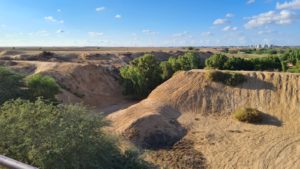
(144, 74)
(222, 62)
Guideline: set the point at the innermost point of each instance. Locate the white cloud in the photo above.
(53, 20)
(271, 17)
(179, 35)
(95, 34)
(230, 28)
(229, 15)
(207, 34)
(251, 1)
(264, 32)
(118, 16)
(42, 33)
(60, 31)
(294, 4)
(150, 32)
(100, 9)
(220, 21)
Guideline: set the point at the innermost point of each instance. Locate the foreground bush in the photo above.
(11, 84)
(248, 115)
(60, 137)
(231, 79)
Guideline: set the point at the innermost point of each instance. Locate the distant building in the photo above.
(264, 46)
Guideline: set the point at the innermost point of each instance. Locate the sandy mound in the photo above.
(190, 107)
(90, 84)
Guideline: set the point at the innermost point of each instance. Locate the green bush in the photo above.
(238, 64)
(216, 61)
(189, 61)
(60, 137)
(166, 69)
(267, 63)
(141, 76)
(230, 79)
(248, 115)
(42, 86)
(11, 85)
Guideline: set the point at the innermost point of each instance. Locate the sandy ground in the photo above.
(203, 108)
(188, 114)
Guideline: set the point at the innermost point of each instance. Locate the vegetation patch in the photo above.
(14, 85)
(144, 74)
(230, 79)
(248, 115)
(42, 86)
(59, 136)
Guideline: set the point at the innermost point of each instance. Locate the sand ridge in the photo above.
(201, 108)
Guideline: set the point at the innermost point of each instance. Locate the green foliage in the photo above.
(222, 62)
(167, 70)
(295, 69)
(216, 61)
(11, 84)
(248, 115)
(42, 86)
(230, 79)
(60, 137)
(238, 64)
(267, 63)
(145, 73)
(141, 76)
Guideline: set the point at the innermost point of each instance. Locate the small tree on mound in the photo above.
(230, 79)
(216, 61)
(248, 115)
(60, 137)
(42, 86)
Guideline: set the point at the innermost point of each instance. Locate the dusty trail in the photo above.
(203, 109)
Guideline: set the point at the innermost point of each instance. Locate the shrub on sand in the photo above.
(248, 115)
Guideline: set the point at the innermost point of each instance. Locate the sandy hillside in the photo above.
(195, 114)
(86, 83)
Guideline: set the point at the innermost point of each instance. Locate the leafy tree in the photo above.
(238, 64)
(167, 70)
(216, 61)
(42, 86)
(141, 76)
(60, 137)
(11, 84)
(176, 66)
(267, 63)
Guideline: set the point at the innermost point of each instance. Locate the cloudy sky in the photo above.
(149, 22)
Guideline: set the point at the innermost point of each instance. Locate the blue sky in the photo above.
(149, 22)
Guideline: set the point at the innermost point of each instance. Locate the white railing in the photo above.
(13, 164)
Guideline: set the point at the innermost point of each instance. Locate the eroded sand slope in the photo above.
(188, 107)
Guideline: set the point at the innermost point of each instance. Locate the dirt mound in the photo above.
(203, 108)
(90, 84)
